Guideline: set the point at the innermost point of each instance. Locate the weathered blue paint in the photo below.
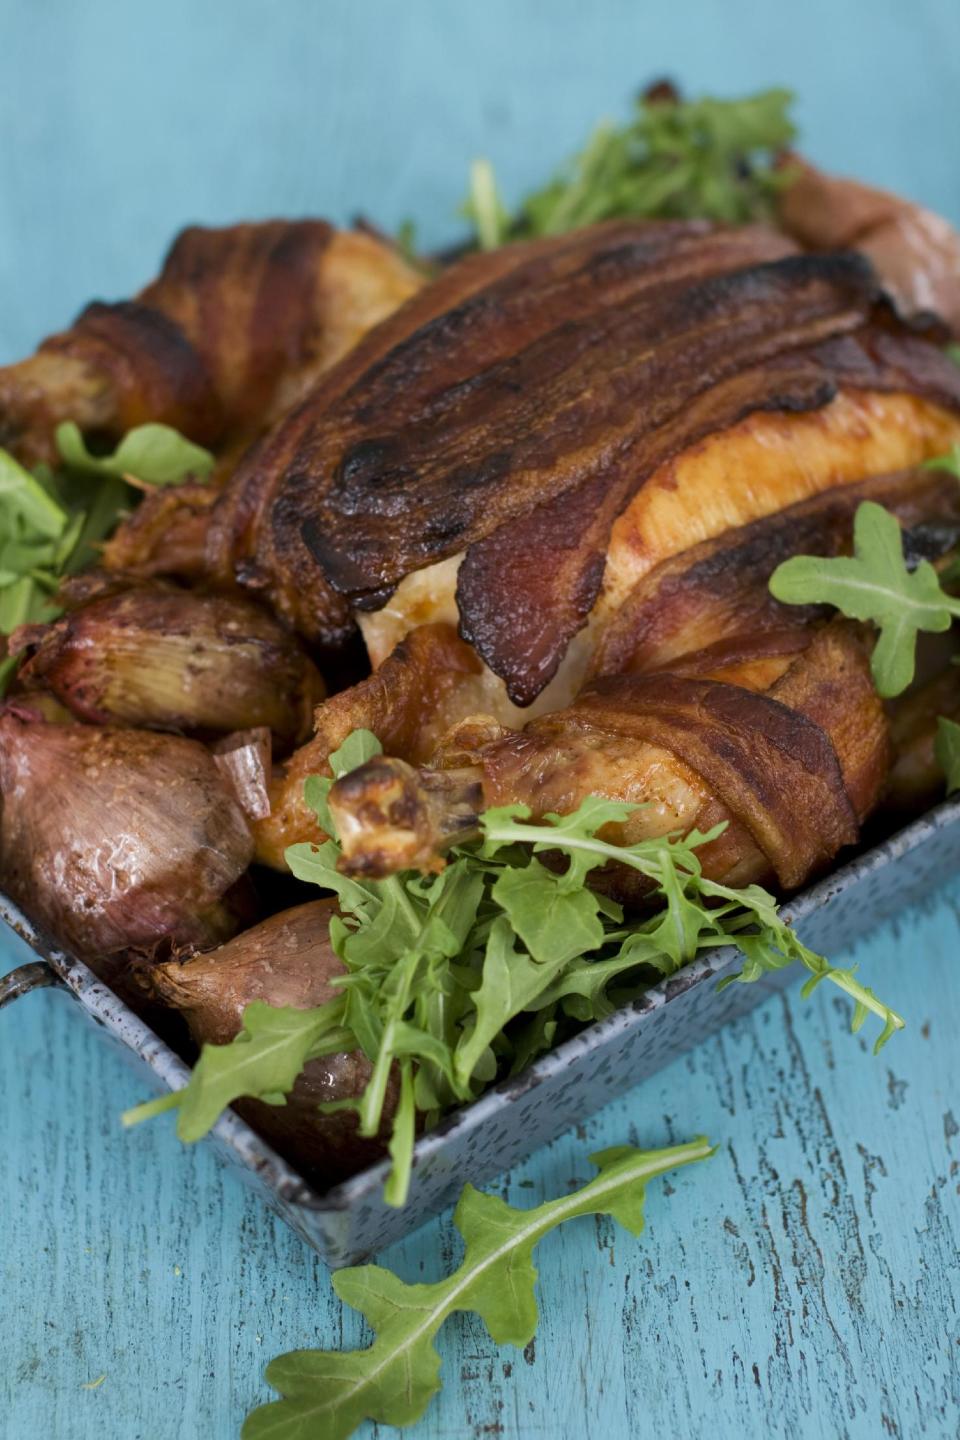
(808, 1283)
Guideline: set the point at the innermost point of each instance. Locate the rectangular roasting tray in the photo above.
(351, 1222)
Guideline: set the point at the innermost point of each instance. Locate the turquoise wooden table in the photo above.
(807, 1283)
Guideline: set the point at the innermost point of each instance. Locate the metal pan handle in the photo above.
(34, 976)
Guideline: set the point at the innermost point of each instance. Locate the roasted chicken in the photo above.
(549, 491)
(791, 771)
(585, 455)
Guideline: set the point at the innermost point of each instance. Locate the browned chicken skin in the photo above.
(407, 703)
(791, 772)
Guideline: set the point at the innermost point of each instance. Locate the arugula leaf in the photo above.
(511, 983)
(263, 1061)
(874, 584)
(554, 922)
(951, 460)
(707, 158)
(450, 977)
(359, 747)
(948, 751)
(23, 498)
(155, 454)
(485, 208)
(52, 523)
(331, 1393)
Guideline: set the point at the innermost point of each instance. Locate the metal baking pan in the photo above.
(351, 1222)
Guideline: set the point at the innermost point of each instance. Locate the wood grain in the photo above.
(806, 1283)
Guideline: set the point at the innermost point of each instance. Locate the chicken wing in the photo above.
(238, 324)
(792, 771)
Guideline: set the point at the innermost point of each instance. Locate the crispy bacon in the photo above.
(516, 412)
(417, 367)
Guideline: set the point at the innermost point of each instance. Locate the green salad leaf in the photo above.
(330, 1393)
(48, 529)
(24, 499)
(948, 752)
(951, 460)
(452, 979)
(154, 454)
(675, 159)
(484, 207)
(874, 584)
(52, 522)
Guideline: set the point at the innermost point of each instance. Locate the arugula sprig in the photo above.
(947, 748)
(874, 584)
(51, 522)
(153, 454)
(452, 979)
(331, 1393)
(674, 159)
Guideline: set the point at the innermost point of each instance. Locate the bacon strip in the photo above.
(416, 368)
(559, 407)
(522, 630)
(774, 769)
(516, 406)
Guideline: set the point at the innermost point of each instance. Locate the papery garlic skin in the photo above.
(115, 840)
(157, 657)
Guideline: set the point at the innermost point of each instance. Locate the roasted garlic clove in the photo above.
(286, 960)
(158, 657)
(115, 840)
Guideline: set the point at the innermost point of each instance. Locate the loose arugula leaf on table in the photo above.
(948, 752)
(675, 159)
(154, 454)
(452, 978)
(874, 584)
(330, 1393)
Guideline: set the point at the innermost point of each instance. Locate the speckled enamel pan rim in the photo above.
(119, 1020)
